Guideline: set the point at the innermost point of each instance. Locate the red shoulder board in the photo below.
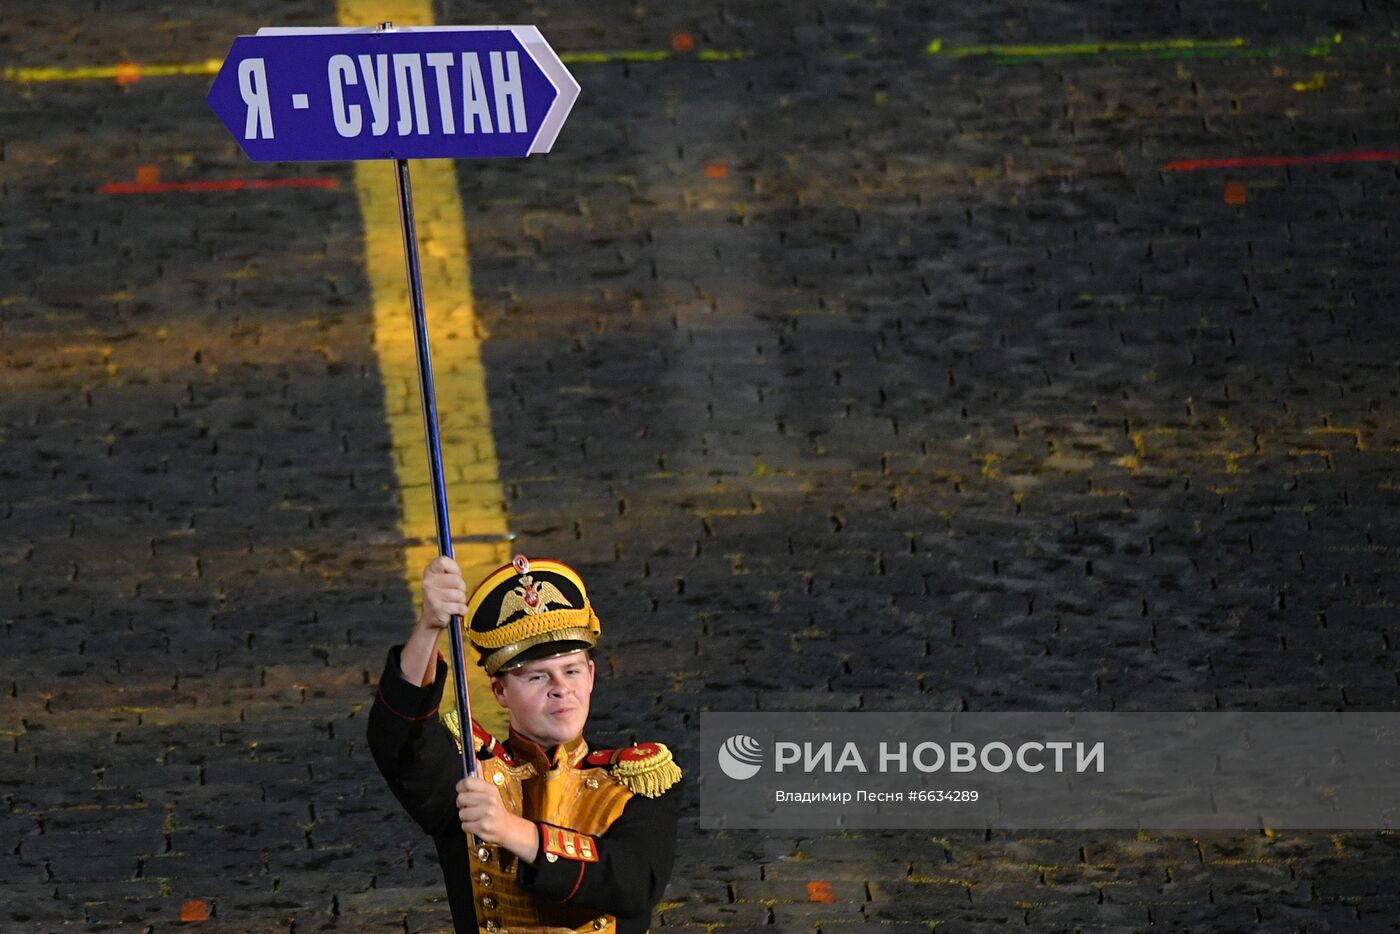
(481, 738)
(638, 753)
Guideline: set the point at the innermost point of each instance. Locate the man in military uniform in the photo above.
(549, 836)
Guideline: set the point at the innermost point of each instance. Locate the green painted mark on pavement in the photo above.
(1235, 47)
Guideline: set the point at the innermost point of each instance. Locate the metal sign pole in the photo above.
(430, 431)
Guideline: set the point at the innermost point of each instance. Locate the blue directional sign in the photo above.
(434, 92)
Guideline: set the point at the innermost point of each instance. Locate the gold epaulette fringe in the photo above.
(453, 722)
(649, 776)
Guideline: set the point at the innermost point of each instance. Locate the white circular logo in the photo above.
(741, 757)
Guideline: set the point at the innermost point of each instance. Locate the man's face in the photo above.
(548, 699)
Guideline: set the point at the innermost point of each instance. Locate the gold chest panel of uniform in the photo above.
(586, 801)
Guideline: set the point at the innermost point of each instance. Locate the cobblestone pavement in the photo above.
(854, 372)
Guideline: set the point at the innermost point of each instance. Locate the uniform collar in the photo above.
(527, 750)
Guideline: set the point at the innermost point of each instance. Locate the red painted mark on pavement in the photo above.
(682, 42)
(148, 182)
(196, 909)
(717, 170)
(1236, 193)
(1245, 162)
(819, 892)
(128, 73)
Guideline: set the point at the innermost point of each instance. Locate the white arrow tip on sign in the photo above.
(559, 76)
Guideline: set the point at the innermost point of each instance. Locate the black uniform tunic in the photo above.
(419, 759)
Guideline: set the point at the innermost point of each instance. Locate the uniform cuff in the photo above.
(402, 697)
(554, 874)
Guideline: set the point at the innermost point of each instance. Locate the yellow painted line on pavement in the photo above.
(475, 502)
(123, 71)
(131, 72)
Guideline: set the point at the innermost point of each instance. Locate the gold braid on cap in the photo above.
(538, 624)
(493, 661)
